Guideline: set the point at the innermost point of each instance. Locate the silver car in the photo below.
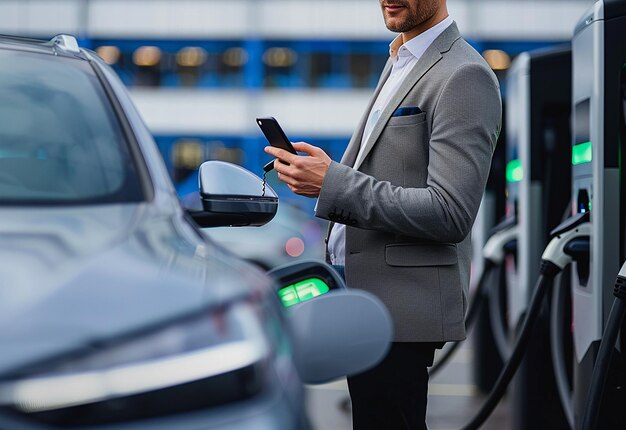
(115, 311)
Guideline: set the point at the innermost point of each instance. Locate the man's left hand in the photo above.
(305, 174)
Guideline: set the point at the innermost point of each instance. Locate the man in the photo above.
(404, 197)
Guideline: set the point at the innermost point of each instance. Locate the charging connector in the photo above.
(495, 248)
(577, 227)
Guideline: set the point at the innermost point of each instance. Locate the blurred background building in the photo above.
(200, 71)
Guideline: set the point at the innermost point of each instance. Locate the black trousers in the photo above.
(393, 395)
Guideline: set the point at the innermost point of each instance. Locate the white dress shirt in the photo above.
(403, 58)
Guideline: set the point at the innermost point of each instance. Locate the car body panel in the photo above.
(98, 272)
(76, 276)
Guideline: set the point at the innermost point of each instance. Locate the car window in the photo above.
(60, 140)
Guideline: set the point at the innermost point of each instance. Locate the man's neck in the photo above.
(441, 14)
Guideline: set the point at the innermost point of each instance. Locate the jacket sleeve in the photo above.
(465, 127)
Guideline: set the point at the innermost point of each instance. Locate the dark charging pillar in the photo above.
(598, 185)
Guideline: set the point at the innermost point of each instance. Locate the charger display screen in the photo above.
(302, 291)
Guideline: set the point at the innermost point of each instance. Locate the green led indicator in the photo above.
(581, 153)
(302, 291)
(514, 171)
(288, 296)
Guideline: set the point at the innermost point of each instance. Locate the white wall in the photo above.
(354, 19)
(301, 112)
(518, 20)
(169, 19)
(40, 17)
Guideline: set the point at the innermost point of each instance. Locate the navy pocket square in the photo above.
(407, 110)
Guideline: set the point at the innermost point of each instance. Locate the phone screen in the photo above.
(274, 134)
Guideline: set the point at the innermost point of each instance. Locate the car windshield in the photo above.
(60, 141)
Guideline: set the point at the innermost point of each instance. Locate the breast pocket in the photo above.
(407, 119)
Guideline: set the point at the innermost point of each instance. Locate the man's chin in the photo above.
(396, 27)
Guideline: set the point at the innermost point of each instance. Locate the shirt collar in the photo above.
(420, 43)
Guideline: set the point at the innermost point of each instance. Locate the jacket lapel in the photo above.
(424, 64)
(349, 156)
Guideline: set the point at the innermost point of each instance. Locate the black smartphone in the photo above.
(275, 136)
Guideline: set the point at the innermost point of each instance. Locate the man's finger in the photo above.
(281, 153)
(287, 179)
(307, 148)
(285, 169)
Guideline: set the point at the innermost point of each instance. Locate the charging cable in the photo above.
(554, 260)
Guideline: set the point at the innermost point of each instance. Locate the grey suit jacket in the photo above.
(410, 204)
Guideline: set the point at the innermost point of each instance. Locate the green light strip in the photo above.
(302, 291)
(514, 171)
(581, 153)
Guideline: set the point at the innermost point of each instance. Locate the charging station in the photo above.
(599, 133)
(538, 181)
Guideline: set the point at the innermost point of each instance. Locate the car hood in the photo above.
(71, 277)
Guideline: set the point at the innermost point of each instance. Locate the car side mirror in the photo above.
(336, 331)
(230, 195)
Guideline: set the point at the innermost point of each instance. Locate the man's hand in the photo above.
(305, 174)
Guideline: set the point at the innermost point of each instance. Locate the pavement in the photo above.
(452, 401)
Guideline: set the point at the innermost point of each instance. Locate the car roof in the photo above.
(62, 44)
